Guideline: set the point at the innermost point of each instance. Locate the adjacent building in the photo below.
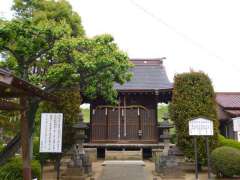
(228, 107)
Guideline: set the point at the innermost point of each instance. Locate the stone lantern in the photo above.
(79, 129)
(166, 164)
(80, 165)
(165, 126)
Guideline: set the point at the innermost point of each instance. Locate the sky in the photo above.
(192, 35)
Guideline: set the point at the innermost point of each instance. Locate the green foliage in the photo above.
(1, 146)
(193, 96)
(45, 44)
(228, 142)
(43, 11)
(226, 161)
(96, 64)
(86, 114)
(41, 157)
(162, 110)
(9, 121)
(12, 170)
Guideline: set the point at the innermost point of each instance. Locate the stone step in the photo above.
(123, 155)
(125, 162)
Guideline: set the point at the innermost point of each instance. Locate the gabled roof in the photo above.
(148, 75)
(228, 100)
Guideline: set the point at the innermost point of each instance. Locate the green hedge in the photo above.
(225, 161)
(193, 96)
(228, 142)
(12, 170)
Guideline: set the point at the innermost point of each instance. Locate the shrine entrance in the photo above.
(122, 124)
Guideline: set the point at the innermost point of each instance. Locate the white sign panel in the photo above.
(200, 127)
(236, 124)
(238, 136)
(51, 133)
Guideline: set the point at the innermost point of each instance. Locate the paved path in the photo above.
(124, 171)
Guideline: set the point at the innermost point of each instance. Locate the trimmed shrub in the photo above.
(12, 170)
(193, 96)
(225, 161)
(228, 142)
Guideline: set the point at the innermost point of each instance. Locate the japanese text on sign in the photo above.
(200, 127)
(51, 133)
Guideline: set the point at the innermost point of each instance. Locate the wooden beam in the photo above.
(6, 105)
(25, 140)
(15, 85)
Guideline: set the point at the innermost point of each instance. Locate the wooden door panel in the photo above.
(106, 125)
(98, 125)
(113, 124)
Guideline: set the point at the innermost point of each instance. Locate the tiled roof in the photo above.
(234, 113)
(228, 100)
(148, 74)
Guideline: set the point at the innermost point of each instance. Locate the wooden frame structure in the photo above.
(13, 87)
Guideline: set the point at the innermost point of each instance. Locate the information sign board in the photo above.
(200, 127)
(51, 133)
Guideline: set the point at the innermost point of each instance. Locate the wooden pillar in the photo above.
(107, 123)
(156, 114)
(24, 128)
(140, 133)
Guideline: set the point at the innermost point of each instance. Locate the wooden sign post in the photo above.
(201, 127)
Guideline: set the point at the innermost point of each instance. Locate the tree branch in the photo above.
(39, 54)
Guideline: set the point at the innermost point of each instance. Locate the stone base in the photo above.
(123, 155)
(167, 166)
(74, 178)
(74, 171)
(172, 173)
(92, 154)
(156, 153)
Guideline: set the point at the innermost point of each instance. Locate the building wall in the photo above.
(226, 124)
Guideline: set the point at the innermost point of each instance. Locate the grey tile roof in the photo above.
(148, 74)
(228, 100)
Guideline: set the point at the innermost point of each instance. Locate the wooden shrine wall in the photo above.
(134, 120)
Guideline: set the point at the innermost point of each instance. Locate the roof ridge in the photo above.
(147, 62)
